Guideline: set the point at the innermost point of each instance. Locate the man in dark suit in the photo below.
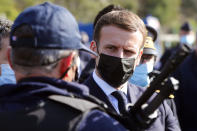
(119, 38)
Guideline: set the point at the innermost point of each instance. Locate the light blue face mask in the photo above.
(140, 76)
(7, 75)
(187, 39)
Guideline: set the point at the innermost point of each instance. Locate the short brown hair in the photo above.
(105, 10)
(123, 19)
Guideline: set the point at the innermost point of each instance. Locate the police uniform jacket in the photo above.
(26, 106)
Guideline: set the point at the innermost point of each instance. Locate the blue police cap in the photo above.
(186, 26)
(53, 26)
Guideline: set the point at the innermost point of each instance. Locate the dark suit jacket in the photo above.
(166, 120)
(186, 97)
(87, 71)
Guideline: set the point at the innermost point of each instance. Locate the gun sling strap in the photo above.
(82, 105)
(85, 105)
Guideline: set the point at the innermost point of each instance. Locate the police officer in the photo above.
(140, 76)
(44, 43)
(186, 37)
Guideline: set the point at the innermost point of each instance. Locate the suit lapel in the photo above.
(96, 91)
(131, 94)
(134, 92)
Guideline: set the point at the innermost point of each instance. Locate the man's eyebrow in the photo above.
(130, 49)
(112, 45)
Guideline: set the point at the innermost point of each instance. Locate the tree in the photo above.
(7, 9)
(189, 8)
(86, 10)
(168, 11)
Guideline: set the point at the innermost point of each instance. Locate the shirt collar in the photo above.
(6, 70)
(108, 89)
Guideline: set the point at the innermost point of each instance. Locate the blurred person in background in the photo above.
(84, 57)
(154, 22)
(186, 96)
(186, 37)
(140, 76)
(6, 73)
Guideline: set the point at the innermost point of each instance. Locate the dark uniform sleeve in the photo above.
(99, 121)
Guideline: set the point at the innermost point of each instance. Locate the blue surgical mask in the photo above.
(7, 75)
(187, 39)
(140, 76)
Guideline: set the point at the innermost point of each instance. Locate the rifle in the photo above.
(141, 112)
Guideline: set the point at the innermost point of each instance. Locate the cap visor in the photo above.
(84, 48)
(150, 52)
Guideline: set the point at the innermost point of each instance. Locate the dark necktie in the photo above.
(122, 101)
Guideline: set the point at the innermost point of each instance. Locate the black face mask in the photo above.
(114, 70)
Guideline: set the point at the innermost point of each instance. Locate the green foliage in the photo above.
(166, 10)
(171, 13)
(84, 10)
(189, 8)
(7, 9)
(11, 8)
(128, 4)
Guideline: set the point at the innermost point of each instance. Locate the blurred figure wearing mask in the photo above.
(6, 73)
(186, 37)
(186, 96)
(140, 76)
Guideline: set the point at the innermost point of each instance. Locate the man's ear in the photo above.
(9, 57)
(93, 47)
(64, 65)
(139, 57)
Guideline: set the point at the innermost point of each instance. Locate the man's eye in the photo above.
(111, 47)
(128, 52)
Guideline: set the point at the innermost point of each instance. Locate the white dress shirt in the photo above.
(108, 89)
